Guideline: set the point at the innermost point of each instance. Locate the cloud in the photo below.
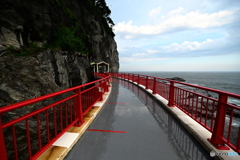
(154, 12)
(126, 59)
(179, 50)
(188, 47)
(141, 56)
(174, 21)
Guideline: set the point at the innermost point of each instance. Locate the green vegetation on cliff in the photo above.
(72, 27)
(74, 37)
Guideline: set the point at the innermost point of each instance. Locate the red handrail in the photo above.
(208, 111)
(47, 123)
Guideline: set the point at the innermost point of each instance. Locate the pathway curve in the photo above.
(133, 126)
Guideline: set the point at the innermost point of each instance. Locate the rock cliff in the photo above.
(48, 45)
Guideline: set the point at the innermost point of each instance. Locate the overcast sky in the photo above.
(177, 35)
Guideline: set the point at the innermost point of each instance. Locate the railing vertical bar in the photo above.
(206, 116)
(71, 112)
(3, 153)
(14, 142)
(192, 105)
(175, 96)
(186, 101)
(196, 108)
(182, 92)
(61, 117)
(230, 125)
(180, 98)
(54, 121)
(66, 113)
(74, 110)
(213, 115)
(189, 103)
(154, 86)
(201, 109)
(28, 139)
(47, 125)
(75, 113)
(39, 132)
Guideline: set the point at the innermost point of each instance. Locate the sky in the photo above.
(177, 35)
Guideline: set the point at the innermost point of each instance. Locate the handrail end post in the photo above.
(218, 130)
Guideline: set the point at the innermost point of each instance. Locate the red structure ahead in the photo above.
(32, 133)
(208, 111)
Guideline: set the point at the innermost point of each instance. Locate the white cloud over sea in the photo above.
(156, 33)
(175, 21)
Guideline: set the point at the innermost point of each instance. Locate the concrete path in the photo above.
(133, 126)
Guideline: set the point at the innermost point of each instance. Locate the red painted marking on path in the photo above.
(106, 131)
(116, 93)
(116, 103)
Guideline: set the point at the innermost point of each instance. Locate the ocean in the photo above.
(225, 81)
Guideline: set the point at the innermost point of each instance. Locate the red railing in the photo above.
(28, 128)
(216, 114)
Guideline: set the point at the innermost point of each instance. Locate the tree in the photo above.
(104, 9)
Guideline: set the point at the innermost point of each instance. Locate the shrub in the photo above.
(66, 39)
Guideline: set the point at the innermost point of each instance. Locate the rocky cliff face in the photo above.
(59, 25)
(48, 71)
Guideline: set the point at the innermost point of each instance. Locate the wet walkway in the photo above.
(133, 126)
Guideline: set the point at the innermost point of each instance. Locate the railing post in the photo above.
(79, 107)
(146, 83)
(3, 153)
(154, 86)
(101, 90)
(107, 84)
(218, 130)
(138, 79)
(171, 95)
